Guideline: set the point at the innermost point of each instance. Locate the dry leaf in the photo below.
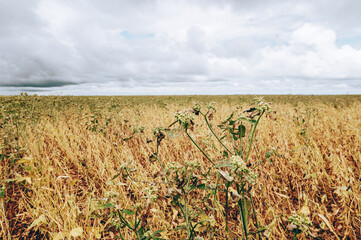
(59, 236)
(328, 224)
(164, 235)
(175, 213)
(235, 197)
(94, 231)
(38, 222)
(281, 195)
(305, 211)
(76, 232)
(226, 175)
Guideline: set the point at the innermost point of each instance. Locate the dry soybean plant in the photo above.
(84, 168)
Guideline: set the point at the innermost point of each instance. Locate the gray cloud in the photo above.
(123, 47)
(39, 84)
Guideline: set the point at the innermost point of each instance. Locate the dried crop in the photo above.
(175, 168)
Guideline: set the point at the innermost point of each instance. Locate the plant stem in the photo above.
(120, 234)
(242, 211)
(136, 225)
(186, 218)
(215, 200)
(210, 128)
(240, 145)
(255, 216)
(226, 210)
(189, 226)
(259, 163)
(189, 176)
(156, 156)
(252, 136)
(200, 148)
(249, 136)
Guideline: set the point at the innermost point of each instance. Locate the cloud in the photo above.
(195, 47)
(38, 84)
(311, 53)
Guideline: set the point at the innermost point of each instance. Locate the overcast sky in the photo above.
(114, 47)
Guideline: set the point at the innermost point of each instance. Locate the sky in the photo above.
(166, 47)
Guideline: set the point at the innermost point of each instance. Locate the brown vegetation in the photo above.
(67, 167)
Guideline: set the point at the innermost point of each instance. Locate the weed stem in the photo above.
(252, 136)
(199, 148)
(215, 135)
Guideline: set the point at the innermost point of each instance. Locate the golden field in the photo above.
(83, 168)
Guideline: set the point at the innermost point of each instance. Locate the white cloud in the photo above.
(180, 46)
(314, 36)
(311, 53)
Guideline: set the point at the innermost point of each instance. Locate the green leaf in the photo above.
(269, 153)
(126, 139)
(129, 212)
(242, 131)
(2, 193)
(252, 121)
(108, 205)
(201, 186)
(190, 187)
(235, 137)
(180, 227)
(117, 175)
(229, 118)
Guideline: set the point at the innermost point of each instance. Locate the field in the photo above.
(138, 168)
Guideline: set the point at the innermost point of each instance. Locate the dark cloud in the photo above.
(38, 84)
(32, 90)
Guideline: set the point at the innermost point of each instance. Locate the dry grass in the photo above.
(59, 154)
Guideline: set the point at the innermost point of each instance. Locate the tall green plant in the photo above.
(233, 177)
